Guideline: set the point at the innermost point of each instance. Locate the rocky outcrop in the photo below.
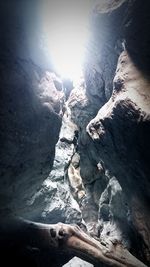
(118, 130)
(29, 132)
(88, 97)
(29, 107)
(130, 103)
(115, 160)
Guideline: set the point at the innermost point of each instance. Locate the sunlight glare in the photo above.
(68, 49)
(68, 35)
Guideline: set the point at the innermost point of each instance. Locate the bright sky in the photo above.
(67, 26)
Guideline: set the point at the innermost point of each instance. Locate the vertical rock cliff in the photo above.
(78, 159)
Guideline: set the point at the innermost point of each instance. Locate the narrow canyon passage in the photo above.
(74, 138)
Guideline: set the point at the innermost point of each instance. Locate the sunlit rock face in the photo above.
(53, 202)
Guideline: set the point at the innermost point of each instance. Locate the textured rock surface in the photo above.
(29, 101)
(127, 109)
(100, 176)
(76, 262)
(116, 161)
(102, 54)
(53, 202)
(88, 97)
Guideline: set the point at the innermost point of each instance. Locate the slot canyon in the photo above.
(75, 154)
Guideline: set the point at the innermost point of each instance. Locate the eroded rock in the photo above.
(29, 107)
(119, 130)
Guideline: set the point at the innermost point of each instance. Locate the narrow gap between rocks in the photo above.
(75, 127)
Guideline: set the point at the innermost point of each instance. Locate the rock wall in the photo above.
(29, 107)
(114, 161)
(127, 109)
(100, 173)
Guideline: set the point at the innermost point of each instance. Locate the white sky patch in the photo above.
(67, 51)
(67, 27)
